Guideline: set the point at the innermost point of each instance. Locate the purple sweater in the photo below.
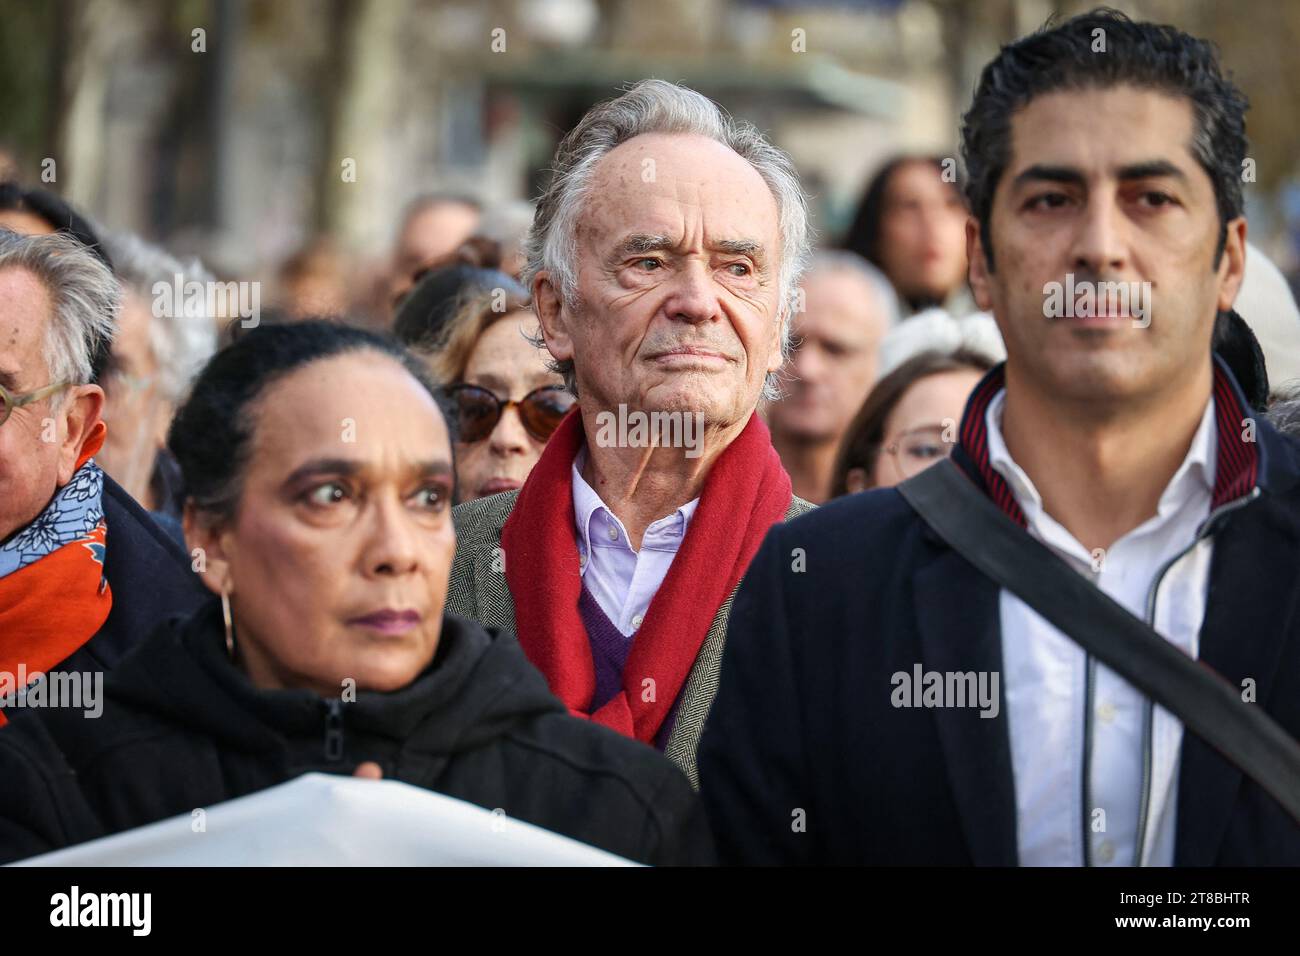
(609, 650)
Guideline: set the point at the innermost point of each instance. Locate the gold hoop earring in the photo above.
(230, 625)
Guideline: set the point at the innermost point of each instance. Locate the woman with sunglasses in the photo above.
(505, 402)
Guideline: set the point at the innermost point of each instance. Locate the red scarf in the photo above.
(745, 493)
(54, 605)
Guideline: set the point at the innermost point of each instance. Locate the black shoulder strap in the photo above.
(1205, 702)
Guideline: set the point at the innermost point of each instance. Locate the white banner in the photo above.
(324, 820)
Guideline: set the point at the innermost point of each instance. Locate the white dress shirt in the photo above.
(1045, 673)
(623, 581)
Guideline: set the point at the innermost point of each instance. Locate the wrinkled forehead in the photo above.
(25, 307)
(680, 186)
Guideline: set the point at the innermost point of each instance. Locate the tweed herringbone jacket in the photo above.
(478, 590)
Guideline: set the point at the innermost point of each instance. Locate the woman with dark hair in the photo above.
(318, 474)
(911, 224)
(908, 421)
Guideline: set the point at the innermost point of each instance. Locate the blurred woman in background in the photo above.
(911, 224)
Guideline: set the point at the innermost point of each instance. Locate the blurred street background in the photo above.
(252, 131)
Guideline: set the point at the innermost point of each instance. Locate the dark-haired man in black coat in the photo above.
(881, 700)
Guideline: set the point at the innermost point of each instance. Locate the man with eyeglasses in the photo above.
(662, 265)
(84, 572)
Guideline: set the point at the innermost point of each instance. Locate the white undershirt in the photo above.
(1044, 675)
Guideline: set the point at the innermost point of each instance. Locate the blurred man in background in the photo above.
(37, 212)
(848, 306)
(507, 225)
(432, 226)
(315, 282)
(159, 347)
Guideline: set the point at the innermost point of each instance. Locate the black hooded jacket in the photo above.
(182, 728)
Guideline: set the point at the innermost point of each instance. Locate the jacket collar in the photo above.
(477, 687)
(1242, 445)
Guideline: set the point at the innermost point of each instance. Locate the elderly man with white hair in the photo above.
(84, 572)
(662, 263)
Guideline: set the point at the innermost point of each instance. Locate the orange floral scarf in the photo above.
(54, 596)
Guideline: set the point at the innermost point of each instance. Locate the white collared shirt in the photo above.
(623, 581)
(1045, 673)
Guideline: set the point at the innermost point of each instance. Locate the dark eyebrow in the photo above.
(1151, 169)
(347, 467)
(435, 469)
(323, 466)
(1072, 177)
(493, 383)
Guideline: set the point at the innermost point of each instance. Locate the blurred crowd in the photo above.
(270, 483)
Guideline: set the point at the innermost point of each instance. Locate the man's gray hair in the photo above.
(84, 294)
(182, 339)
(657, 106)
(832, 260)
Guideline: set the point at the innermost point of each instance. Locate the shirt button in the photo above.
(1106, 851)
(613, 533)
(637, 619)
(582, 559)
(1106, 711)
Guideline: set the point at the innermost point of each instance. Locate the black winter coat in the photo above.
(182, 728)
(806, 759)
